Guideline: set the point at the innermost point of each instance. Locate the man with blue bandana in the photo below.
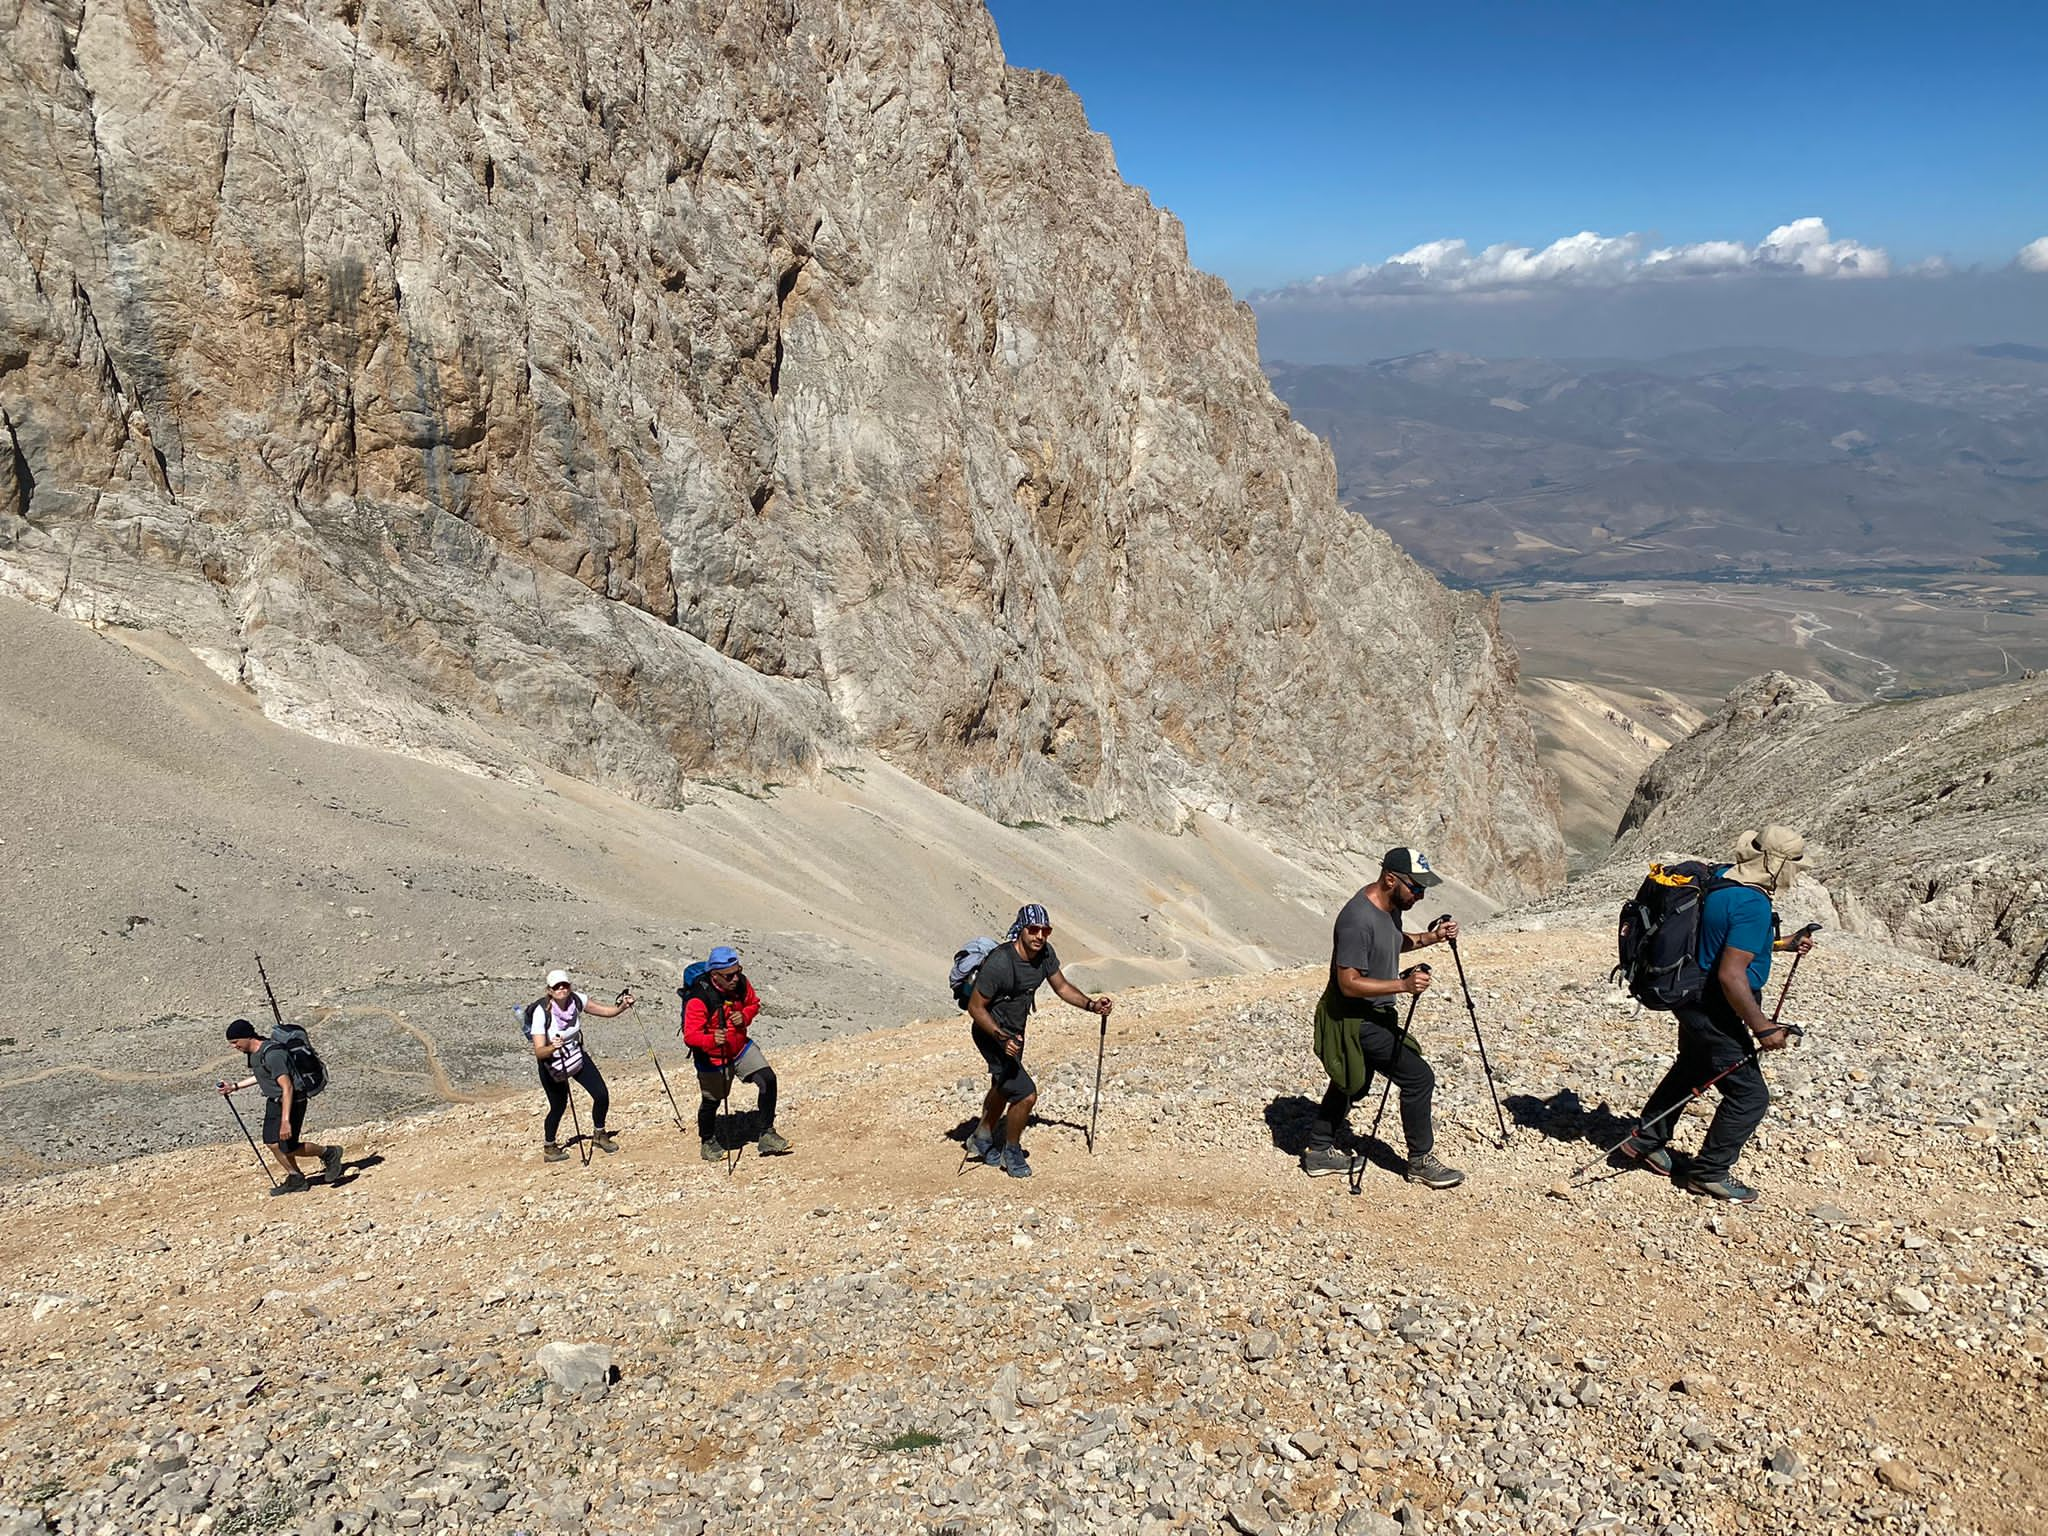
(999, 1006)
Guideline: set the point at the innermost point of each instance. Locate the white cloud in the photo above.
(1802, 248)
(2033, 256)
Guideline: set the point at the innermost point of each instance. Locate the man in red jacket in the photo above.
(717, 1010)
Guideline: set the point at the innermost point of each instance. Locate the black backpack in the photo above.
(1658, 937)
(309, 1072)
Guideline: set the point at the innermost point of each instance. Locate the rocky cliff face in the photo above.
(1928, 819)
(703, 391)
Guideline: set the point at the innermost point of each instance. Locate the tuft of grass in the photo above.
(909, 1440)
(1028, 826)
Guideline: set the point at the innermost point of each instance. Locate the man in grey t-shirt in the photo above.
(999, 1006)
(1358, 1026)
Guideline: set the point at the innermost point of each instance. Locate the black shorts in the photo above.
(273, 1117)
(1006, 1073)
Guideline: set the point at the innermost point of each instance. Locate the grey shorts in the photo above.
(713, 1085)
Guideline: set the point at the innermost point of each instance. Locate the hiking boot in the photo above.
(294, 1183)
(330, 1163)
(1434, 1171)
(604, 1141)
(1727, 1187)
(1640, 1155)
(978, 1142)
(994, 1155)
(554, 1152)
(1317, 1162)
(711, 1152)
(774, 1144)
(1011, 1161)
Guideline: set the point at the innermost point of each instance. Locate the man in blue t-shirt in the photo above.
(1738, 934)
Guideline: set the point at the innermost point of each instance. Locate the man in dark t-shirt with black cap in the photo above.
(1358, 1024)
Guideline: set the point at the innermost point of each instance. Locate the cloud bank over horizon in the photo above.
(1803, 248)
(1588, 293)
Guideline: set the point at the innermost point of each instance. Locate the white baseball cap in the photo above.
(558, 978)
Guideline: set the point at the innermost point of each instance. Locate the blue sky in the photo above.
(1306, 139)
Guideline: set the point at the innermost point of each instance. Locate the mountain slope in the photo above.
(1178, 1333)
(701, 393)
(1928, 819)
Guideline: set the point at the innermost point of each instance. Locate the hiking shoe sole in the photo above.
(1439, 1177)
(1725, 1190)
(1321, 1170)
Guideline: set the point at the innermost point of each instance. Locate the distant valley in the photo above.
(1714, 466)
(1657, 532)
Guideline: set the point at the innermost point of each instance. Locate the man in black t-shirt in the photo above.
(1359, 1026)
(999, 1007)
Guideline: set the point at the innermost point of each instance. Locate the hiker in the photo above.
(284, 1104)
(554, 1028)
(1738, 936)
(999, 1006)
(718, 1006)
(1359, 1028)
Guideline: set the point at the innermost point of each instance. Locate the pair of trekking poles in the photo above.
(1792, 1031)
(1471, 1012)
(1095, 1108)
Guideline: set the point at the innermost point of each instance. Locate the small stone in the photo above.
(1786, 1462)
(1899, 1476)
(1833, 1215)
(1911, 1300)
(1311, 1444)
(576, 1367)
(1263, 1344)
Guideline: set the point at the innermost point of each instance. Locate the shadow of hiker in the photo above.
(351, 1169)
(958, 1134)
(1564, 1117)
(1288, 1119)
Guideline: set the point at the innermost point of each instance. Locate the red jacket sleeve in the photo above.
(697, 1025)
(749, 1008)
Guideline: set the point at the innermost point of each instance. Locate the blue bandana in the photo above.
(1030, 915)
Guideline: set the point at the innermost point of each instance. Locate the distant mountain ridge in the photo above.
(1724, 465)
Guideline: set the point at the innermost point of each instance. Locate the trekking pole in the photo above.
(270, 995)
(247, 1137)
(575, 1119)
(1796, 958)
(674, 1108)
(1400, 1044)
(1101, 1045)
(648, 1041)
(725, 1110)
(1792, 1032)
(1473, 1014)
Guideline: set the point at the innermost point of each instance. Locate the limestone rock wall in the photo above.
(1927, 819)
(700, 391)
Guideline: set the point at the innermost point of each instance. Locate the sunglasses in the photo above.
(1406, 884)
(1032, 928)
(560, 986)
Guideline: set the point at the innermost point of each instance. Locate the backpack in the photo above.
(966, 966)
(1657, 940)
(309, 1072)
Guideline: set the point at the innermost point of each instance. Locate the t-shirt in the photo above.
(1739, 916)
(563, 1024)
(271, 1063)
(1369, 941)
(1011, 983)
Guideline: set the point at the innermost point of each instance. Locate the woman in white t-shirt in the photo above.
(554, 1028)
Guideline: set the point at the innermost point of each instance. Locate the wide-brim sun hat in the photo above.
(1770, 859)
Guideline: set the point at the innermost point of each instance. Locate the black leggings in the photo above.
(557, 1090)
(713, 1087)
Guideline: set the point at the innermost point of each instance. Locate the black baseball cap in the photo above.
(242, 1029)
(1413, 863)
